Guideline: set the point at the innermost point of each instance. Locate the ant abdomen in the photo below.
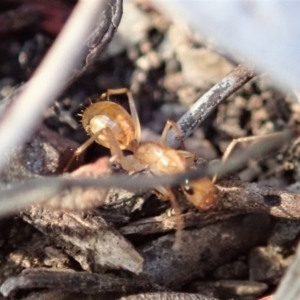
(105, 114)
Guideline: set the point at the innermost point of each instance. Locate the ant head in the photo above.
(200, 192)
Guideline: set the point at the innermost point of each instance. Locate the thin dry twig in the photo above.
(206, 104)
(85, 282)
(35, 190)
(166, 223)
(50, 78)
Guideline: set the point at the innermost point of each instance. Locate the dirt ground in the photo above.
(123, 246)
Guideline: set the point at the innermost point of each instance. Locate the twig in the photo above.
(166, 223)
(36, 190)
(205, 105)
(50, 78)
(82, 282)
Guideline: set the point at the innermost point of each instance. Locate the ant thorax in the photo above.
(161, 158)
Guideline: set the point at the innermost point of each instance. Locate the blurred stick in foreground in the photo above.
(289, 288)
(41, 189)
(50, 78)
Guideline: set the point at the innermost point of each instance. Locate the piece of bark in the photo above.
(76, 282)
(89, 240)
(234, 195)
(28, 248)
(202, 250)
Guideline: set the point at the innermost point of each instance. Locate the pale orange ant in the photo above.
(111, 126)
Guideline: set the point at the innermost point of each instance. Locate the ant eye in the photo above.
(188, 189)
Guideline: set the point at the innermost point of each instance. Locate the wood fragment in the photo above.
(202, 249)
(76, 282)
(89, 240)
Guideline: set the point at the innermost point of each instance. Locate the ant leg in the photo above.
(132, 107)
(135, 117)
(170, 196)
(128, 163)
(115, 150)
(81, 149)
(110, 92)
(188, 156)
(248, 139)
(166, 130)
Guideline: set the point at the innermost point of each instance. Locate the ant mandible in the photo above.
(111, 126)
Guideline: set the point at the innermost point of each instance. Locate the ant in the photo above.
(111, 126)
